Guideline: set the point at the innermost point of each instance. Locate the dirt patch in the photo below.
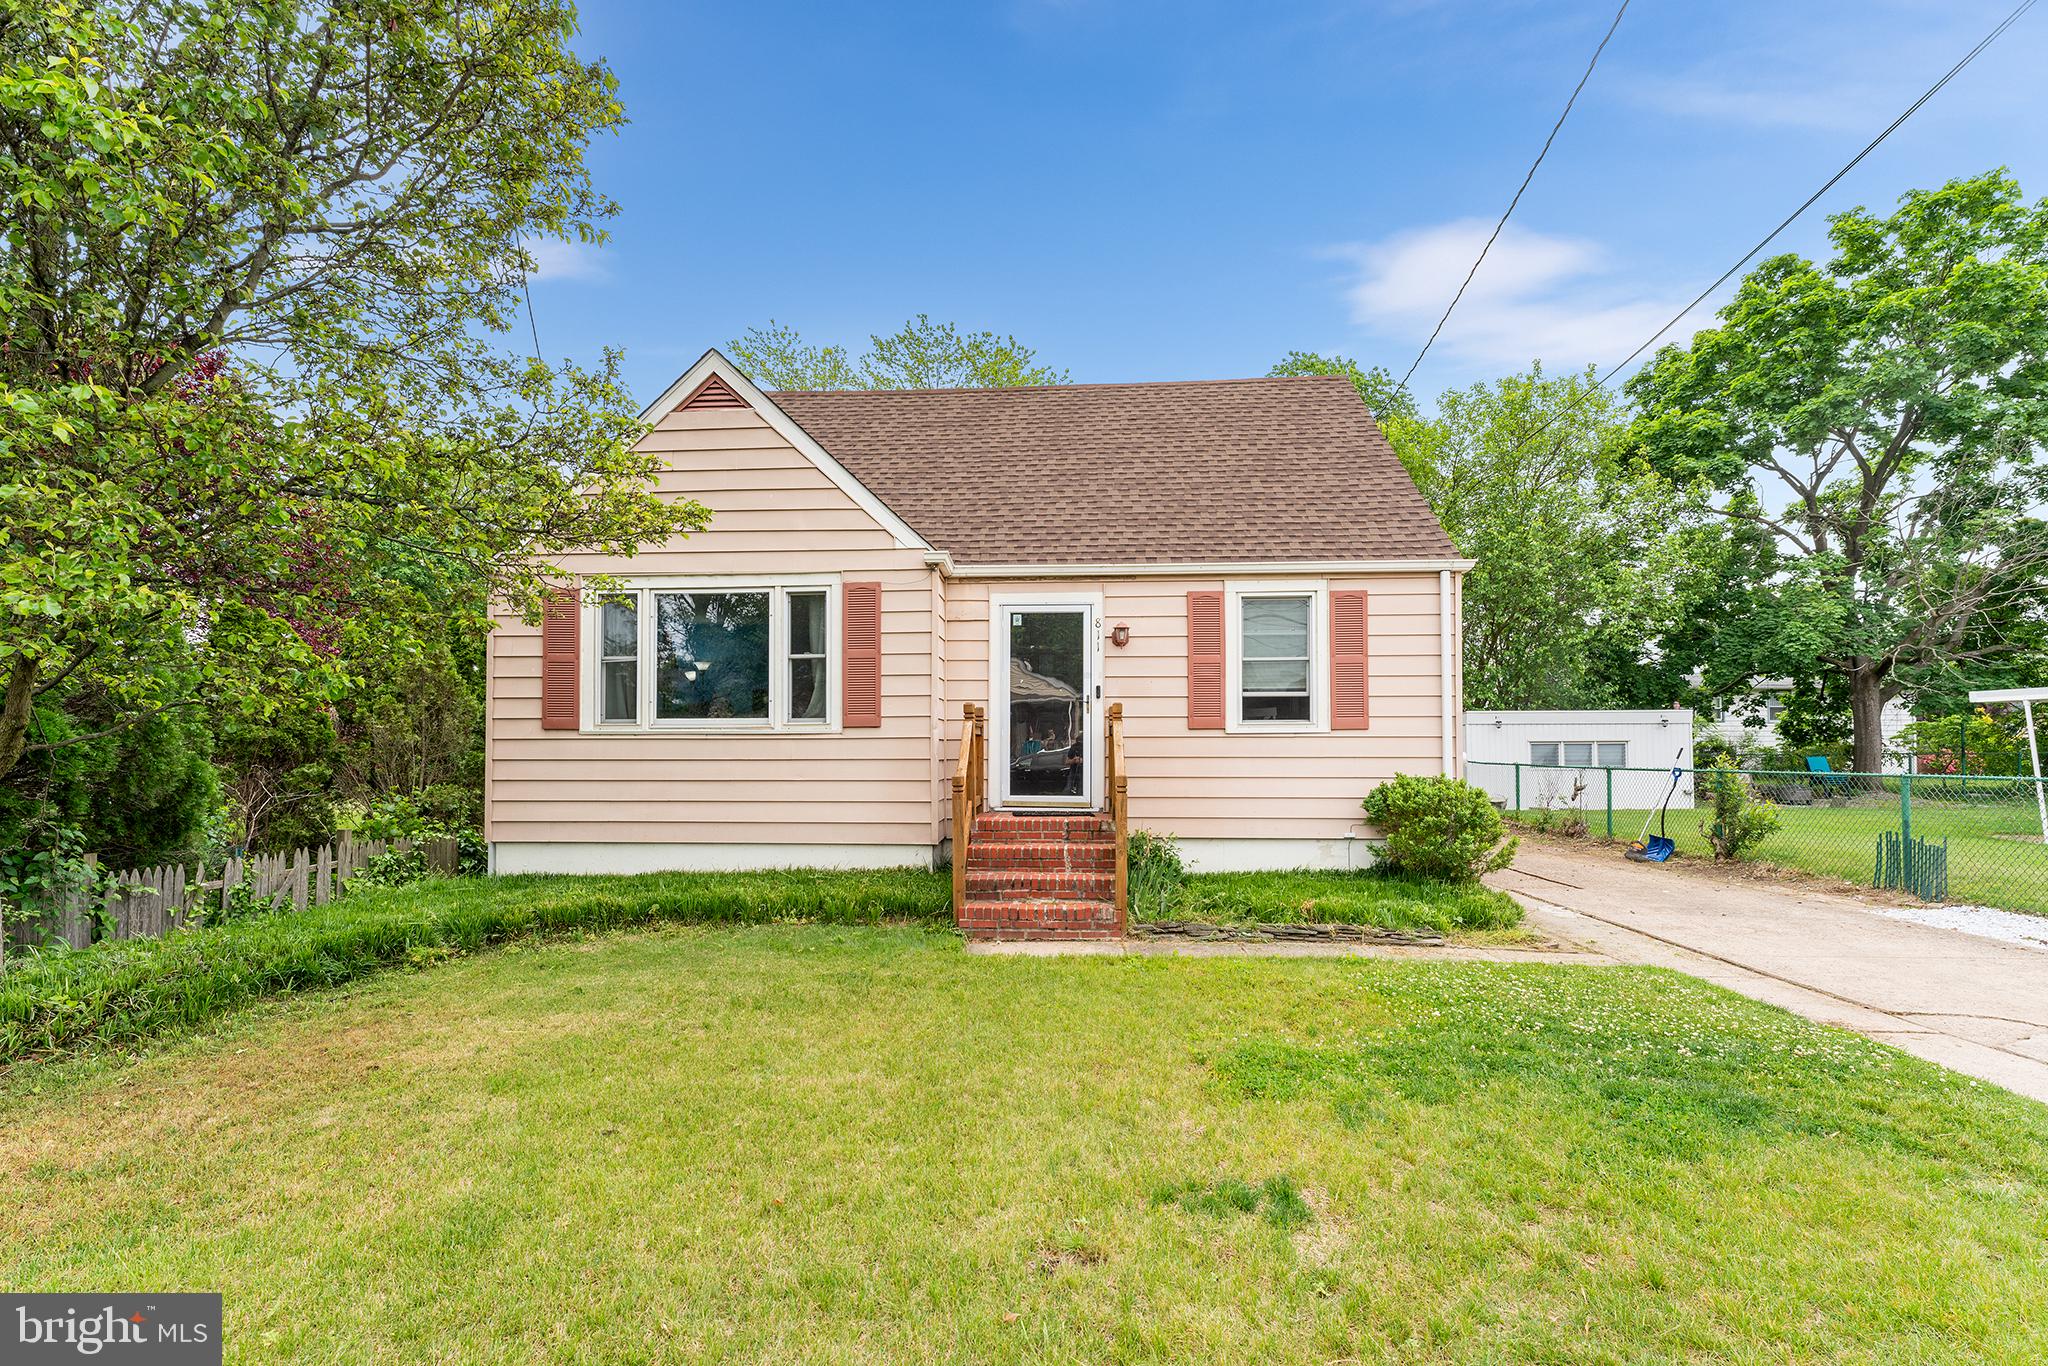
(1746, 873)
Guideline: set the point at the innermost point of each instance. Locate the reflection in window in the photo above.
(711, 656)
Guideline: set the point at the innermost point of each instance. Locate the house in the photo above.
(1749, 721)
(1240, 571)
(1540, 758)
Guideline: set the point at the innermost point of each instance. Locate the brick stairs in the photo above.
(1035, 876)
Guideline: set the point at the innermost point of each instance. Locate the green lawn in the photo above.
(1995, 857)
(862, 1144)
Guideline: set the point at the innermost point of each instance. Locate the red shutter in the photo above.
(1205, 660)
(560, 629)
(1347, 661)
(860, 630)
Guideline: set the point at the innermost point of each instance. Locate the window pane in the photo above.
(711, 656)
(1275, 627)
(807, 623)
(621, 628)
(1543, 751)
(622, 690)
(806, 689)
(1577, 753)
(1614, 754)
(1276, 675)
(1267, 708)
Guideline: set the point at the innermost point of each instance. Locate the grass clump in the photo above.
(120, 992)
(1277, 1198)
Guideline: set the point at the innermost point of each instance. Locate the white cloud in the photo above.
(555, 260)
(1760, 104)
(1556, 299)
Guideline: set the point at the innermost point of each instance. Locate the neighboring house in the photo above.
(1244, 565)
(1751, 721)
(1562, 749)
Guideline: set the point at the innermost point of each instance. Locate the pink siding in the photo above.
(773, 512)
(1203, 784)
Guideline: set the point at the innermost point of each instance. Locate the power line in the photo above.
(1481, 260)
(1986, 41)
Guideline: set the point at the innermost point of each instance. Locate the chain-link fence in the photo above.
(1962, 838)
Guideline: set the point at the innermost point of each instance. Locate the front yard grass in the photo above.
(862, 1144)
(1364, 897)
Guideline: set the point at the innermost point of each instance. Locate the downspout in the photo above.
(1444, 639)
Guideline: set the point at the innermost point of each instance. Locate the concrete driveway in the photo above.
(1973, 1004)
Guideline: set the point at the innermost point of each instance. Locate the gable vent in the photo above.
(712, 393)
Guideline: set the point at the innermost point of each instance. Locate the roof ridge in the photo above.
(1064, 388)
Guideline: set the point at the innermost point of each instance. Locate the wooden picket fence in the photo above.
(147, 902)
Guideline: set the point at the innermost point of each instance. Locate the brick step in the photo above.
(1026, 884)
(1002, 827)
(1038, 918)
(1049, 856)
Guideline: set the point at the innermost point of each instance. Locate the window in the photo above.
(1275, 657)
(680, 653)
(618, 650)
(1579, 753)
(809, 670)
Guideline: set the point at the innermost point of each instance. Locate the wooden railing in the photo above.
(1116, 786)
(970, 792)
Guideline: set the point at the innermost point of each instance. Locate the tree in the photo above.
(256, 257)
(1384, 399)
(1892, 403)
(1575, 544)
(922, 354)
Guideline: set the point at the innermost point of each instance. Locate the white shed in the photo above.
(1559, 749)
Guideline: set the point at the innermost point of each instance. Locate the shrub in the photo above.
(1439, 828)
(1738, 818)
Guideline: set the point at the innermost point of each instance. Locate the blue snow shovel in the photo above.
(1658, 848)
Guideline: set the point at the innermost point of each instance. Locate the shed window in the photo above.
(1579, 753)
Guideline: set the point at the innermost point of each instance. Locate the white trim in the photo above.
(998, 689)
(777, 587)
(712, 363)
(943, 562)
(573, 856)
(1446, 646)
(1231, 855)
(1234, 594)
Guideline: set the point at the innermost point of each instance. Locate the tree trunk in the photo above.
(1866, 714)
(17, 706)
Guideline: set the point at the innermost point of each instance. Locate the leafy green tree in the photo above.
(921, 354)
(1383, 396)
(1881, 417)
(255, 260)
(1574, 542)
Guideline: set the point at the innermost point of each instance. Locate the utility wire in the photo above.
(1601, 383)
(1481, 260)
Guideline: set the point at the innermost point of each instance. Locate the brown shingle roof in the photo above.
(1204, 471)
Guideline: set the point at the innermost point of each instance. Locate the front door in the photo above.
(1045, 704)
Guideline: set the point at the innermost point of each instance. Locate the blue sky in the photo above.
(1188, 190)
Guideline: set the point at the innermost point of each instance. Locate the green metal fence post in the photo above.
(1906, 826)
(1518, 787)
(1610, 803)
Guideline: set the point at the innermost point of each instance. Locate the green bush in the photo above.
(1737, 818)
(122, 991)
(1439, 828)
